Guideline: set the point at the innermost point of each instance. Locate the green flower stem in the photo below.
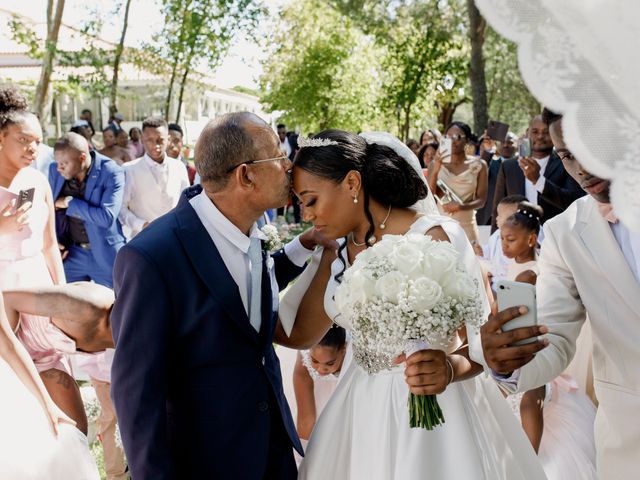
(424, 411)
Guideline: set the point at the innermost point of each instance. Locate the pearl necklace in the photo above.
(372, 239)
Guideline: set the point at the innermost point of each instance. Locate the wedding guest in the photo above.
(83, 127)
(505, 151)
(88, 188)
(588, 266)
(174, 149)
(315, 377)
(557, 417)
(111, 148)
(116, 121)
(122, 140)
(289, 145)
(540, 177)
(427, 153)
(498, 263)
(429, 136)
(37, 439)
(413, 145)
(87, 115)
(135, 148)
(153, 182)
(464, 175)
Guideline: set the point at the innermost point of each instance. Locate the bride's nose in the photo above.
(307, 214)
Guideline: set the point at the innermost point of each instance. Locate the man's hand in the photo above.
(501, 357)
(62, 202)
(530, 168)
(312, 238)
(16, 221)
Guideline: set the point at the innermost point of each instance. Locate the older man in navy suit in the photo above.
(195, 379)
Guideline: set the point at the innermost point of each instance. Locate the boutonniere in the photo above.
(273, 242)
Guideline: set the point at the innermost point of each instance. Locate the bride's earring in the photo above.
(355, 198)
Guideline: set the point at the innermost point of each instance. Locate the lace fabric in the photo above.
(578, 57)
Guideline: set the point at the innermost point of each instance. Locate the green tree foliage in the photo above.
(508, 98)
(198, 34)
(321, 71)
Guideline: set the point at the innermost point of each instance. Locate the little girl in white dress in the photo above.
(558, 418)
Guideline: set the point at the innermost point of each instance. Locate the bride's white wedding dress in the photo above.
(28, 449)
(364, 433)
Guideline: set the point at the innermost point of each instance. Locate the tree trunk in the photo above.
(41, 104)
(476, 69)
(407, 120)
(167, 103)
(113, 108)
(447, 110)
(183, 82)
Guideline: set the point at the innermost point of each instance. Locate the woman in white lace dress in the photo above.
(356, 189)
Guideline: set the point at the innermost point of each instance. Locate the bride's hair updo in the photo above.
(386, 176)
(13, 107)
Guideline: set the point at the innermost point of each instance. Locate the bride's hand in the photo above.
(56, 416)
(427, 372)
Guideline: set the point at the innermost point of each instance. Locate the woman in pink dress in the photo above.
(29, 254)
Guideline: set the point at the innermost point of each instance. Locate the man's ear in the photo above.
(245, 177)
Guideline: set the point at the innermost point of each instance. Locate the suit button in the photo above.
(263, 361)
(263, 406)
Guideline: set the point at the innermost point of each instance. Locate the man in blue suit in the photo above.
(195, 379)
(88, 188)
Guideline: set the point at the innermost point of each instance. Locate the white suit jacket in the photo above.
(582, 269)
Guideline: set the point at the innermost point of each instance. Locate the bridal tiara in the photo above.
(315, 142)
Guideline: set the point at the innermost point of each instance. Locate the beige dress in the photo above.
(464, 185)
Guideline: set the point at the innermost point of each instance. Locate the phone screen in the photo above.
(25, 196)
(445, 149)
(524, 147)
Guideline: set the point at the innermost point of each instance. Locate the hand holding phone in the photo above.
(445, 149)
(524, 147)
(513, 294)
(25, 196)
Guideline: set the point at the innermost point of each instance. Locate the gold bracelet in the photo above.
(450, 365)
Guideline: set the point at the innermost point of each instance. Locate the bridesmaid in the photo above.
(465, 176)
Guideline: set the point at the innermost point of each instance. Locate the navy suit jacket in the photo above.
(99, 210)
(195, 387)
(560, 189)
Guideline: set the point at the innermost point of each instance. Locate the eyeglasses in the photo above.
(282, 159)
(455, 137)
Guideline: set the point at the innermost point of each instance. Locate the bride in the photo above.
(37, 440)
(357, 188)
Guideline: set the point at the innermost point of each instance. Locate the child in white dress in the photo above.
(557, 417)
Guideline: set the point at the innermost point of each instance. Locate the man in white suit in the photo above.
(590, 264)
(154, 182)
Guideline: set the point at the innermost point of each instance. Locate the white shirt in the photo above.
(233, 246)
(151, 189)
(285, 146)
(531, 189)
(629, 243)
(498, 263)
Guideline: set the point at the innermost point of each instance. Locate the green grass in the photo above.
(96, 451)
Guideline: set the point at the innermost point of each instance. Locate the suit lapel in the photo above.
(206, 260)
(94, 173)
(598, 238)
(57, 186)
(552, 167)
(517, 179)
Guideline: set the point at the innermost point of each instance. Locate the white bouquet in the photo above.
(405, 292)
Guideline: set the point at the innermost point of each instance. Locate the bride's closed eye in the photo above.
(310, 203)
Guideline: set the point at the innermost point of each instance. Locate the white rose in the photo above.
(439, 261)
(384, 247)
(460, 285)
(390, 285)
(406, 257)
(424, 295)
(365, 283)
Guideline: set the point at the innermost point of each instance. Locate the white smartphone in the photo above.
(514, 294)
(445, 149)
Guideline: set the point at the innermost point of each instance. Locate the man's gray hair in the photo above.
(223, 144)
(72, 141)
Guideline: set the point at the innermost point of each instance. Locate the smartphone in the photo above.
(25, 196)
(445, 149)
(524, 147)
(497, 130)
(514, 294)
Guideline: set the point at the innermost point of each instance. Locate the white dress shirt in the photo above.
(233, 246)
(286, 146)
(531, 189)
(151, 189)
